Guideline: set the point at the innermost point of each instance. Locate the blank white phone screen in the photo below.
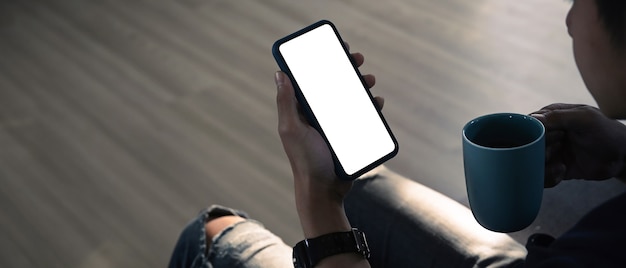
(337, 98)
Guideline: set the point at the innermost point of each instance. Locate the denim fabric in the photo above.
(244, 244)
(406, 224)
(249, 244)
(410, 225)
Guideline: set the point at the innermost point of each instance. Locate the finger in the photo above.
(538, 112)
(286, 102)
(553, 151)
(552, 107)
(559, 119)
(562, 106)
(554, 174)
(358, 58)
(541, 116)
(554, 136)
(380, 102)
(563, 116)
(370, 80)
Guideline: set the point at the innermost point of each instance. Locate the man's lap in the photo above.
(407, 225)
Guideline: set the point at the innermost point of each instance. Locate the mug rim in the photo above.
(535, 121)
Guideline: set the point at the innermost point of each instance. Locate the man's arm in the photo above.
(319, 193)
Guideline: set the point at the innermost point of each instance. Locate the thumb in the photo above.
(285, 101)
(560, 116)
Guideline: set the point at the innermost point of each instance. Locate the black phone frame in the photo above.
(308, 113)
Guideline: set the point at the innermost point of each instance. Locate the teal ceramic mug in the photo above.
(504, 161)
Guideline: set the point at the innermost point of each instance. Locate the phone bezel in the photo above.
(339, 170)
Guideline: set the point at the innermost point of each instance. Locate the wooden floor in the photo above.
(120, 120)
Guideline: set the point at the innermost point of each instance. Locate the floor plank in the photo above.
(120, 120)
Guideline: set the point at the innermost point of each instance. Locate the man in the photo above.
(582, 143)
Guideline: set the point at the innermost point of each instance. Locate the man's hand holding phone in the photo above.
(333, 131)
(319, 193)
(334, 98)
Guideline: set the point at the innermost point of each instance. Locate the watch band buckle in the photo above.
(361, 243)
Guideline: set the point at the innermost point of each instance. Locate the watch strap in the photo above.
(309, 252)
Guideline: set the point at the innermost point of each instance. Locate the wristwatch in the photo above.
(307, 253)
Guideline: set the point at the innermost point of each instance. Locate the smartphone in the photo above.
(335, 98)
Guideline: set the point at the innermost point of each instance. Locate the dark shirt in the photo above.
(597, 240)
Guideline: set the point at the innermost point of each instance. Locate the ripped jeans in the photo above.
(406, 224)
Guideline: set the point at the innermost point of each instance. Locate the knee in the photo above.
(215, 226)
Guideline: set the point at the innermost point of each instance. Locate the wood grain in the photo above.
(120, 120)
